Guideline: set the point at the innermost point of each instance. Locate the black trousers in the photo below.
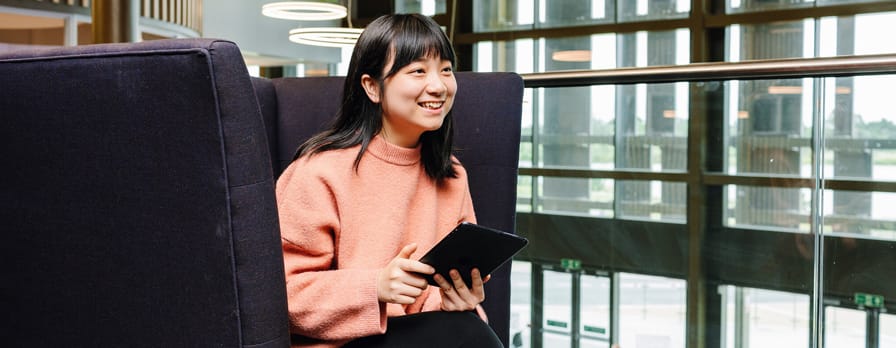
(433, 330)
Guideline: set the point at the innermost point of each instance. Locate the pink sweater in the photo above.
(340, 227)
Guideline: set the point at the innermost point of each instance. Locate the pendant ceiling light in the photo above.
(330, 37)
(315, 11)
(304, 11)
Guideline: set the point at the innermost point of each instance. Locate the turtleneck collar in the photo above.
(403, 156)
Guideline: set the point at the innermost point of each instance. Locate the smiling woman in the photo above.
(361, 198)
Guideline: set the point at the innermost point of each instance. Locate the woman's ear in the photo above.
(371, 87)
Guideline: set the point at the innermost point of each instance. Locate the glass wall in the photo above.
(778, 228)
(761, 258)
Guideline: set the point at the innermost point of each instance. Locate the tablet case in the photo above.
(471, 246)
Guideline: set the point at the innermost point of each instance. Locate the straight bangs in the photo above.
(414, 40)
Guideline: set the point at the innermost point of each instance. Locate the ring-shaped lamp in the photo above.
(329, 37)
(304, 11)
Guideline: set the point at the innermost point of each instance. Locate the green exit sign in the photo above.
(557, 323)
(571, 264)
(868, 300)
(595, 329)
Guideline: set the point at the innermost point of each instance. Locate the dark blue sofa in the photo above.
(138, 200)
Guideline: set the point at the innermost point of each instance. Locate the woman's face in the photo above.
(414, 100)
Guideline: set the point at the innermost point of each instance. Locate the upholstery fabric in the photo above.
(138, 205)
(487, 113)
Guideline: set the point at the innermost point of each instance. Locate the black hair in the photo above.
(403, 38)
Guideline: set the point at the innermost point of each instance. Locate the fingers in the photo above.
(402, 294)
(401, 281)
(409, 265)
(395, 285)
(456, 295)
(407, 251)
(414, 266)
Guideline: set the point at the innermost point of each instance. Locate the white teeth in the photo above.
(431, 105)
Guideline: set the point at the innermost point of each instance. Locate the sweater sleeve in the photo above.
(467, 212)
(324, 303)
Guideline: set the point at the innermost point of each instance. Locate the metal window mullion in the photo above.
(816, 308)
(872, 328)
(536, 309)
(576, 307)
(614, 307)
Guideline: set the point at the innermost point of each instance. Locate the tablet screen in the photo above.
(471, 246)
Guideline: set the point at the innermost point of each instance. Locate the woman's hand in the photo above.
(401, 281)
(456, 296)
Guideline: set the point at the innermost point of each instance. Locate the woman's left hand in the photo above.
(456, 296)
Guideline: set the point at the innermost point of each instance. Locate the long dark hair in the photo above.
(404, 38)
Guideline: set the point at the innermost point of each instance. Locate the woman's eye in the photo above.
(447, 69)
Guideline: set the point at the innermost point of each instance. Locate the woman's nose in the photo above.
(435, 85)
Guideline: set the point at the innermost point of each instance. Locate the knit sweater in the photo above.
(339, 227)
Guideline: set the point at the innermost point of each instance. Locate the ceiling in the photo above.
(284, 53)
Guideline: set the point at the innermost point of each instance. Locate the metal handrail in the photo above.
(695, 72)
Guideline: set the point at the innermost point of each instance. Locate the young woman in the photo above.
(364, 199)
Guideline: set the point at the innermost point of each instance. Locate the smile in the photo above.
(431, 105)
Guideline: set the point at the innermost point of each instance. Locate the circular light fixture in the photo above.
(330, 37)
(304, 11)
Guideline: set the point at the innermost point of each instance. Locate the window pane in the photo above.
(769, 127)
(757, 318)
(887, 331)
(524, 194)
(557, 309)
(777, 208)
(652, 311)
(844, 327)
(860, 128)
(503, 15)
(838, 2)
(600, 51)
(862, 214)
(793, 39)
(595, 312)
(574, 13)
(860, 34)
(520, 303)
(835, 36)
(773, 118)
(777, 319)
(640, 10)
(739, 6)
(517, 56)
(575, 196)
(652, 200)
(426, 7)
(769, 132)
(859, 145)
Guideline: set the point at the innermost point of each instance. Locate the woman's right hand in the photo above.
(401, 281)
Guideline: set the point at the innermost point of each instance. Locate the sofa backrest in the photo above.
(487, 114)
(138, 202)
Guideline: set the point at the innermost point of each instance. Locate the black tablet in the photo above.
(471, 246)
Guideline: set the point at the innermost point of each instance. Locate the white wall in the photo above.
(241, 21)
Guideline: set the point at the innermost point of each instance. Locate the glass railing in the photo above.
(747, 204)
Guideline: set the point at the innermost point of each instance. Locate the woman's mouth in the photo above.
(432, 105)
